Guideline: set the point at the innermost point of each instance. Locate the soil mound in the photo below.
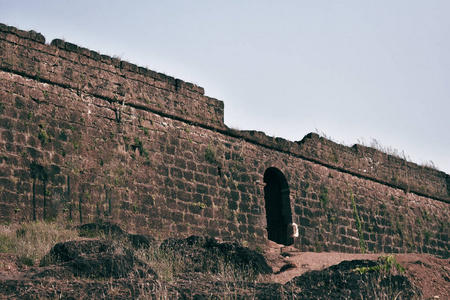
(92, 259)
(356, 279)
(206, 254)
(71, 250)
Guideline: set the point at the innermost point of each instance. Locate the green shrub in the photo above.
(386, 264)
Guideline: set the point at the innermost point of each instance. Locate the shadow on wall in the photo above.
(38, 173)
(47, 193)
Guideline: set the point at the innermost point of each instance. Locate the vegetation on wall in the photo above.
(362, 244)
(210, 154)
(323, 197)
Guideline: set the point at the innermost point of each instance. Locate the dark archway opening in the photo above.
(278, 206)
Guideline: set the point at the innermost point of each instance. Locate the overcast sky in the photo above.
(354, 70)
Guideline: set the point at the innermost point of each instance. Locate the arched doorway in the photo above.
(278, 206)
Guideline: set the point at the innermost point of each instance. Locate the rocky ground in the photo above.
(98, 268)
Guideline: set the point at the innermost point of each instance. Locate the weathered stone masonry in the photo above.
(84, 136)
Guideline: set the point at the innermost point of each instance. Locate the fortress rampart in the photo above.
(84, 136)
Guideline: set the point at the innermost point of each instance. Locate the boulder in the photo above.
(141, 240)
(206, 254)
(345, 281)
(67, 251)
(92, 259)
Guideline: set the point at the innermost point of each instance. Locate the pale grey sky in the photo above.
(351, 69)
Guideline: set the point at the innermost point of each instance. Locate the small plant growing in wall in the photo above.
(199, 204)
(362, 244)
(43, 135)
(317, 246)
(210, 154)
(145, 130)
(76, 144)
(427, 235)
(323, 197)
(426, 215)
(331, 218)
(148, 162)
(140, 146)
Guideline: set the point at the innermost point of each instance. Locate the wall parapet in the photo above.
(364, 162)
(114, 80)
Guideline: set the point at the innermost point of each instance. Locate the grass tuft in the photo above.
(167, 264)
(31, 241)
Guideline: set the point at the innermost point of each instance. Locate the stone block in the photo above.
(305, 222)
(188, 175)
(208, 212)
(234, 195)
(195, 209)
(253, 220)
(201, 189)
(7, 184)
(184, 196)
(232, 205)
(200, 178)
(244, 207)
(246, 198)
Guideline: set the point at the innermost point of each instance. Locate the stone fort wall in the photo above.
(86, 137)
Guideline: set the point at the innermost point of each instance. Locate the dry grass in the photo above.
(168, 264)
(377, 289)
(31, 241)
(377, 145)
